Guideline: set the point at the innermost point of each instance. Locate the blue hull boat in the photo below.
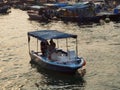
(58, 60)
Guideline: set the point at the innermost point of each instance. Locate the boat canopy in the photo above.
(37, 7)
(69, 7)
(74, 7)
(81, 3)
(118, 7)
(56, 4)
(61, 4)
(82, 6)
(50, 34)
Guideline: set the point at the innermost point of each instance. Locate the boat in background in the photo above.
(4, 8)
(56, 59)
(46, 12)
(35, 12)
(85, 12)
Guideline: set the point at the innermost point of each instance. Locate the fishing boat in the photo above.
(58, 59)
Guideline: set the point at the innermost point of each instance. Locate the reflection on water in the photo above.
(58, 81)
(98, 44)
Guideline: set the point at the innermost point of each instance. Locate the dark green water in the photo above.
(99, 45)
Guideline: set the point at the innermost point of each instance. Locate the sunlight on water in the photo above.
(98, 44)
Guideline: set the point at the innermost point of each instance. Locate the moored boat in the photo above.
(87, 12)
(36, 13)
(45, 12)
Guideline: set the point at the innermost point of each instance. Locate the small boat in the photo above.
(35, 14)
(57, 59)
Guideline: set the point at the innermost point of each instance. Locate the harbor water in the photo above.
(99, 45)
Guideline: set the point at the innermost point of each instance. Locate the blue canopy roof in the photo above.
(74, 7)
(50, 34)
(56, 4)
(69, 7)
(83, 6)
(61, 4)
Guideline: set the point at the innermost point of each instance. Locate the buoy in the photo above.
(107, 20)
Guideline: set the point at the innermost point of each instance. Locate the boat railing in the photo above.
(71, 54)
(66, 61)
(37, 53)
(61, 56)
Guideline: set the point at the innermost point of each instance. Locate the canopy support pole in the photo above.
(67, 43)
(76, 47)
(29, 43)
(57, 44)
(37, 45)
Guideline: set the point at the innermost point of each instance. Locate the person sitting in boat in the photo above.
(52, 46)
(44, 47)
